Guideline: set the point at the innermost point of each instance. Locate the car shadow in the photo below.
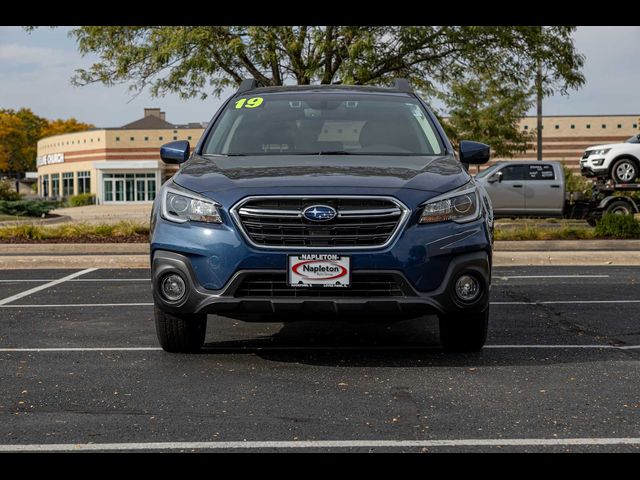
(405, 344)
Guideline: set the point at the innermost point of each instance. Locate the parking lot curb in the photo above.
(566, 245)
(557, 258)
(500, 259)
(555, 246)
(73, 261)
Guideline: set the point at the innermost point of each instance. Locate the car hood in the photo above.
(601, 147)
(216, 174)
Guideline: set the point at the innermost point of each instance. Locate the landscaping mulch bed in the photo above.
(83, 239)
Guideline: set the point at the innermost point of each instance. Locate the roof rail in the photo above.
(246, 85)
(403, 85)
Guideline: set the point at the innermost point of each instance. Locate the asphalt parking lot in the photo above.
(80, 369)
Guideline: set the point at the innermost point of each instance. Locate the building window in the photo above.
(588, 125)
(635, 125)
(129, 187)
(557, 127)
(159, 138)
(189, 137)
(55, 184)
(84, 182)
(175, 138)
(619, 125)
(67, 184)
(132, 139)
(573, 127)
(604, 126)
(117, 139)
(146, 139)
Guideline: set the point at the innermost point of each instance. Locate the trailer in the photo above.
(538, 189)
(615, 198)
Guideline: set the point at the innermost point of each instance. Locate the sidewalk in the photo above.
(136, 255)
(138, 213)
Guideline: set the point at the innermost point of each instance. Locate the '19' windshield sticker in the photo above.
(254, 102)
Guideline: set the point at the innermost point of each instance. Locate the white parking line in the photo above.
(143, 304)
(565, 302)
(22, 280)
(317, 347)
(82, 349)
(479, 442)
(51, 305)
(548, 276)
(17, 296)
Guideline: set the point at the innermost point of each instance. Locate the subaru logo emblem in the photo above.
(319, 213)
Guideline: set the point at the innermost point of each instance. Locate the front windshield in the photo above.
(634, 139)
(489, 170)
(339, 123)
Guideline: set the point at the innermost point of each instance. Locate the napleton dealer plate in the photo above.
(318, 270)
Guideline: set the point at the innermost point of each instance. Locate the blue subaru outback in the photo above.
(322, 201)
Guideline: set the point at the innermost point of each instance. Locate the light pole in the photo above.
(539, 107)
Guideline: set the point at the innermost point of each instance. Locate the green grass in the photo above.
(76, 232)
(6, 218)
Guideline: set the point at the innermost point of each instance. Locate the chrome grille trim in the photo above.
(397, 215)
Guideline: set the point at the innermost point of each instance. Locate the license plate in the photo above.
(318, 270)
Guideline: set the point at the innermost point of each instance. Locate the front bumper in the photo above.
(412, 303)
(594, 167)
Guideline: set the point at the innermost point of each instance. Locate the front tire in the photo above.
(464, 332)
(624, 170)
(180, 334)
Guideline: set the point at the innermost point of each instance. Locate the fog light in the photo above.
(173, 287)
(467, 288)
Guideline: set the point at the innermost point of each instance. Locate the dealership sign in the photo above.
(50, 159)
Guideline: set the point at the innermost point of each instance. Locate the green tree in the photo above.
(487, 110)
(202, 60)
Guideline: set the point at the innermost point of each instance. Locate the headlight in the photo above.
(181, 206)
(603, 151)
(461, 205)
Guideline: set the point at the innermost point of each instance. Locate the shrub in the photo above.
(29, 208)
(576, 183)
(76, 232)
(82, 199)
(618, 226)
(7, 192)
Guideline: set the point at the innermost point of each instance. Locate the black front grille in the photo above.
(363, 285)
(360, 222)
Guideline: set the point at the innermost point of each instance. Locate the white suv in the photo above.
(618, 161)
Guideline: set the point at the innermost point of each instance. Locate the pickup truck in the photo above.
(537, 189)
(525, 189)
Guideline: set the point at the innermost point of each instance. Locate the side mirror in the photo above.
(175, 152)
(474, 152)
(496, 177)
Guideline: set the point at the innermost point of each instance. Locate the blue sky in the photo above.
(35, 72)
